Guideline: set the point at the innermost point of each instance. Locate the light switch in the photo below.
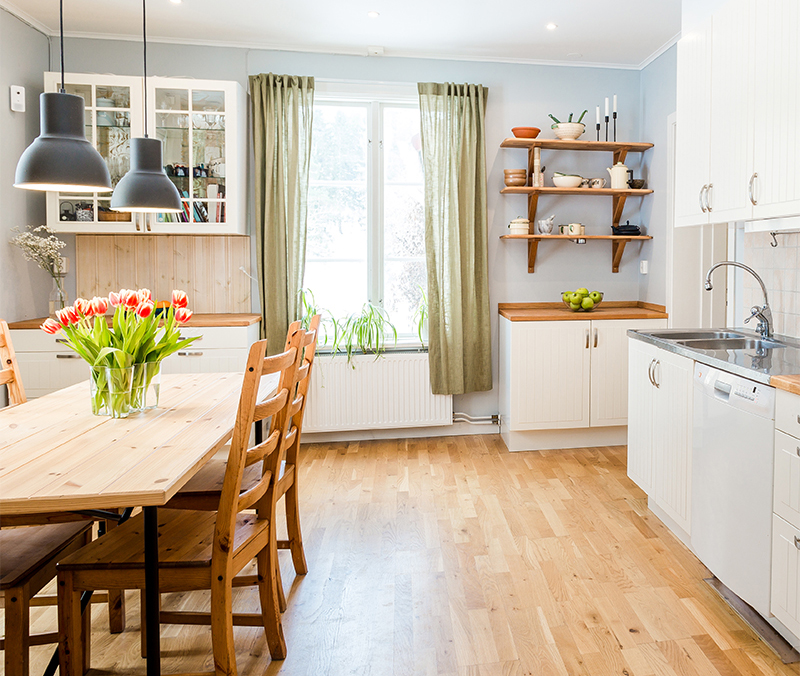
(17, 98)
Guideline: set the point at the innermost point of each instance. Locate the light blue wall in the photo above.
(658, 101)
(24, 289)
(518, 95)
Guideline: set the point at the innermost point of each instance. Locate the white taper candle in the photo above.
(615, 103)
(606, 106)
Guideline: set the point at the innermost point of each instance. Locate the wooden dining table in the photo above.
(56, 456)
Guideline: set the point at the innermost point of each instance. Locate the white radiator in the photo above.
(392, 391)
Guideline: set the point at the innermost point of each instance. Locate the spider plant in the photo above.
(308, 308)
(421, 316)
(365, 331)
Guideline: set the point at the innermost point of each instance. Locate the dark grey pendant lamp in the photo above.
(146, 188)
(61, 158)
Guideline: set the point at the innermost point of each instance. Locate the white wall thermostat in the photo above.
(17, 99)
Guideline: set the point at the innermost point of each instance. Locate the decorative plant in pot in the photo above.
(126, 357)
(365, 331)
(569, 130)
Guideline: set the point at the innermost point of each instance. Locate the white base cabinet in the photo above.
(660, 429)
(785, 600)
(565, 375)
(47, 365)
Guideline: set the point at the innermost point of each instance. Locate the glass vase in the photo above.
(58, 297)
(111, 391)
(146, 386)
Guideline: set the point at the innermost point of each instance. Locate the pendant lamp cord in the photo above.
(144, 50)
(61, 20)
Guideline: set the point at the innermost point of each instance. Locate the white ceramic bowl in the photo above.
(567, 181)
(569, 131)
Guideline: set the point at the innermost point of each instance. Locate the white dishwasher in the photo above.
(732, 466)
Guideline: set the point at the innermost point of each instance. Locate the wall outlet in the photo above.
(643, 267)
(17, 98)
(64, 265)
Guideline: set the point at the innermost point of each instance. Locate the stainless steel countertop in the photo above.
(781, 361)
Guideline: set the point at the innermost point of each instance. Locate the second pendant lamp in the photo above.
(146, 188)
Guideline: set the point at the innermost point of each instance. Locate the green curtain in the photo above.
(454, 158)
(282, 112)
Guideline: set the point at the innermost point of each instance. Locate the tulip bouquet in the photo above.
(126, 357)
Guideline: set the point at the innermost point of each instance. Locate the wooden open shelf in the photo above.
(617, 246)
(620, 151)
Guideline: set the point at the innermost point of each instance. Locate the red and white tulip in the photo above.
(183, 315)
(179, 299)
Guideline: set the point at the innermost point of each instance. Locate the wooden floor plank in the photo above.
(453, 557)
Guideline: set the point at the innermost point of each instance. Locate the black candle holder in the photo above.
(606, 127)
(615, 126)
(598, 131)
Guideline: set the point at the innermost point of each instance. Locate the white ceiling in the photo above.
(589, 31)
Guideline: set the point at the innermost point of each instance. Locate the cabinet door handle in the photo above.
(68, 356)
(196, 338)
(595, 337)
(655, 380)
(147, 222)
(587, 339)
(797, 450)
(709, 195)
(750, 189)
(702, 205)
(797, 542)
(798, 419)
(650, 371)
(63, 341)
(195, 353)
(136, 222)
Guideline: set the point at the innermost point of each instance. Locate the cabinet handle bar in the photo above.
(595, 337)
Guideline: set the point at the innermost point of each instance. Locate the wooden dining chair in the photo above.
(9, 368)
(203, 490)
(28, 558)
(202, 550)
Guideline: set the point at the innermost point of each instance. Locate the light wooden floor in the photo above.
(451, 556)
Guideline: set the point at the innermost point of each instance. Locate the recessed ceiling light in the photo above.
(551, 26)
(373, 15)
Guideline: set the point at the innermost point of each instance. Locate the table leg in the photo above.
(152, 620)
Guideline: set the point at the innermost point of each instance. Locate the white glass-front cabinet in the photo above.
(660, 428)
(202, 126)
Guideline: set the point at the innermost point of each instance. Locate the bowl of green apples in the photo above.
(582, 300)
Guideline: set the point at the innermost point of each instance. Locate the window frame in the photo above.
(375, 97)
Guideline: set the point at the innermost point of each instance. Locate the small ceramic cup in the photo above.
(575, 229)
(585, 182)
(597, 183)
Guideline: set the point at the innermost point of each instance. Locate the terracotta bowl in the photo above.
(525, 132)
(516, 181)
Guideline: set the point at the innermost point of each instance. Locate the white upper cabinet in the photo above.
(737, 135)
(777, 109)
(732, 112)
(693, 146)
(202, 126)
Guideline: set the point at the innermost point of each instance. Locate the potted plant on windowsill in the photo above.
(364, 332)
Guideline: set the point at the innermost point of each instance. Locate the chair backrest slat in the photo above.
(9, 368)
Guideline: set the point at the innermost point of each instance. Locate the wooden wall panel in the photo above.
(205, 266)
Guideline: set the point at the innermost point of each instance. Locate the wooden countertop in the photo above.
(197, 320)
(788, 383)
(553, 312)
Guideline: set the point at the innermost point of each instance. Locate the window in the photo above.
(366, 223)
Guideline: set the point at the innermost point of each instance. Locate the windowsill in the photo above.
(399, 348)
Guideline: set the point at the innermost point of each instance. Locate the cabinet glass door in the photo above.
(191, 124)
(108, 128)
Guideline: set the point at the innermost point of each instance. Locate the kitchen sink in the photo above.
(695, 335)
(738, 342)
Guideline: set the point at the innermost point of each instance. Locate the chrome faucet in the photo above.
(763, 314)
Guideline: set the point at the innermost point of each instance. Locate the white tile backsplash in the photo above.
(778, 268)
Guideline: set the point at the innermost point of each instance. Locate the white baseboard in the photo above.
(584, 437)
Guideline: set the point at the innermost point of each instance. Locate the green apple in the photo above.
(587, 303)
(566, 296)
(575, 297)
(596, 296)
(583, 291)
(574, 306)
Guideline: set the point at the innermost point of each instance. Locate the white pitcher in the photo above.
(619, 176)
